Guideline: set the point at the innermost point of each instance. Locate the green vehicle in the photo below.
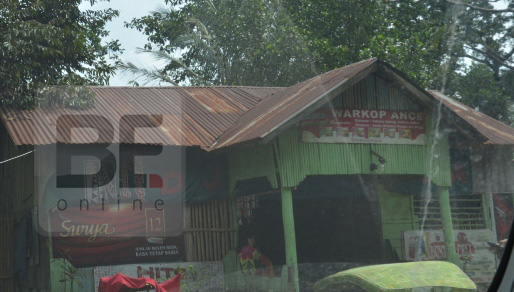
(417, 276)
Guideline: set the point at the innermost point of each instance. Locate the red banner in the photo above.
(339, 125)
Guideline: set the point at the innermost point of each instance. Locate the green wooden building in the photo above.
(335, 169)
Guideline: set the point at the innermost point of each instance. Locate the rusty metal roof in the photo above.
(282, 106)
(192, 116)
(495, 131)
(211, 117)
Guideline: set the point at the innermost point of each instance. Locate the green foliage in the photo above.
(478, 89)
(408, 34)
(229, 42)
(70, 274)
(278, 43)
(51, 42)
(485, 36)
(437, 43)
(65, 96)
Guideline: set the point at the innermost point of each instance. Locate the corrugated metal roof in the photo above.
(211, 117)
(192, 116)
(273, 112)
(495, 131)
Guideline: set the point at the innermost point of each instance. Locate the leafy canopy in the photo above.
(228, 42)
(52, 42)
(463, 48)
(485, 37)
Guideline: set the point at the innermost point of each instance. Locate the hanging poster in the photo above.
(123, 217)
(503, 214)
(477, 260)
(338, 125)
(111, 237)
(128, 208)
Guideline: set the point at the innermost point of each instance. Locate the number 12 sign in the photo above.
(155, 225)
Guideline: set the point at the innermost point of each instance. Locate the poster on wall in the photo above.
(111, 239)
(338, 125)
(477, 260)
(121, 216)
(129, 208)
(461, 172)
(503, 214)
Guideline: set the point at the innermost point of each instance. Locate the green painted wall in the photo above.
(397, 217)
(251, 162)
(296, 159)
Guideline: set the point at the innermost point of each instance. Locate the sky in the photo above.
(130, 39)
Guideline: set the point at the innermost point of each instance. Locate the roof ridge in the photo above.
(180, 87)
(231, 134)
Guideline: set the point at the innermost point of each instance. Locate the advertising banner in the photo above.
(128, 208)
(477, 260)
(503, 214)
(338, 125)
(120, 217)
(110, 238)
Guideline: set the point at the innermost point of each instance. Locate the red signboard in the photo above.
(338, 125)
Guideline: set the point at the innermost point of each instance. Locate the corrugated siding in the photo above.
(252, 162)
(373, 93)
(493, 169)
(296, 159)
(7, 254)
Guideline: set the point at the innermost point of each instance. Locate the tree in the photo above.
(478, 89)
(279, 42)
(408, 34)
(52, 42)
(486, 37)
(229, 42)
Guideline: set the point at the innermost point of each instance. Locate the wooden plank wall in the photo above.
(17, 199)
(209, 230)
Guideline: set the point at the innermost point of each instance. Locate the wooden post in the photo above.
(235, 221)
(446, 218)
(289, 234)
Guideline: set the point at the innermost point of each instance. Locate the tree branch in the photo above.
(481, 8)
(509, 54)
(476, 59)
(492, 56)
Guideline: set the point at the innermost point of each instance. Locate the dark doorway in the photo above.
(336, 220)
